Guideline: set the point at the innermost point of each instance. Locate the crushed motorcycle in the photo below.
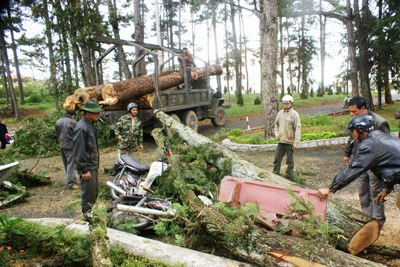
(130, 186)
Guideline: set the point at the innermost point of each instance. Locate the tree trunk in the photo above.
(269, 48)
(236, 53)
(364, 28)
(214, 27)
(322, 27)
(349, 221)
(113, 19)
(16, 62)
(352, 50)
(3, 49)
(140, 68)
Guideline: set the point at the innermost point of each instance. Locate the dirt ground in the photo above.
(317, 166)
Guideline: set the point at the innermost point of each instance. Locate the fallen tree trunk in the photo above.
(267, 247)
(349, 222)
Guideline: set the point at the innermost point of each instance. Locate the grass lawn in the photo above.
(316, 127)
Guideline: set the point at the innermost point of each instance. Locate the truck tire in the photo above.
(220, 118)
(190, 120)
(175, 117)
(168, 131)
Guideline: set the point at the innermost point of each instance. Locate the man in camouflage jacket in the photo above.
(129, 132)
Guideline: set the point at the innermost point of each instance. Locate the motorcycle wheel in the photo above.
(116, 180)
(134, 220)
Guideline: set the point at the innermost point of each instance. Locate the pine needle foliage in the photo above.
(199, 169)
(305, 223)
(30, 242)
(194, 168)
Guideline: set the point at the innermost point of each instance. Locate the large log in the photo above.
(143, 85)
(349, 221)
(115, 96)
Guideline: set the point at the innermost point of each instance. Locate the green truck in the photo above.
(188, 102)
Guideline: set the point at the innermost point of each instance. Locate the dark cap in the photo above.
(70, 112)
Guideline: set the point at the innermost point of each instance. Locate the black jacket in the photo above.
(380, 153)
(3, 131)
(86, 150)
(380, 124)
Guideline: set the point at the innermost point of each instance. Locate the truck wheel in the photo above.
(175, 117)
(168, 131)
(220, 118)
(190, 120)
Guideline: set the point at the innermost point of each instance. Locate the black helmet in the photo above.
(363, 122)
(131, 105)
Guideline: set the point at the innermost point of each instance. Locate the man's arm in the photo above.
(364, 160)
(297, 131)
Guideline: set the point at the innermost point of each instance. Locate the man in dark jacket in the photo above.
(64, 129)
(376, 151)
(369, 186)
(86, 154)
(3, 131)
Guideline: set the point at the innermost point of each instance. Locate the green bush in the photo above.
(34, 98)
(38, 137)
(235, 132)
(317, 120)
(257, 101)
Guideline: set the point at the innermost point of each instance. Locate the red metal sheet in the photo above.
(272, 199)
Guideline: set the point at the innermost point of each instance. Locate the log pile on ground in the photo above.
(254, 244)
(115, 96)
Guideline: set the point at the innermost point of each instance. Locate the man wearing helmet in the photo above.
(376, 151)
(287, 132)
(369, 186)
(129, 132)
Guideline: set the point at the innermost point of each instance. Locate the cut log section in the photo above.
(364, 237)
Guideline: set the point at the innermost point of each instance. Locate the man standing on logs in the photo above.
(188, 58)
(129, 132)
(87, 156)
(376, 151)
(369, 186)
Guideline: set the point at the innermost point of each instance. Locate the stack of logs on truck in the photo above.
(186, 99)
